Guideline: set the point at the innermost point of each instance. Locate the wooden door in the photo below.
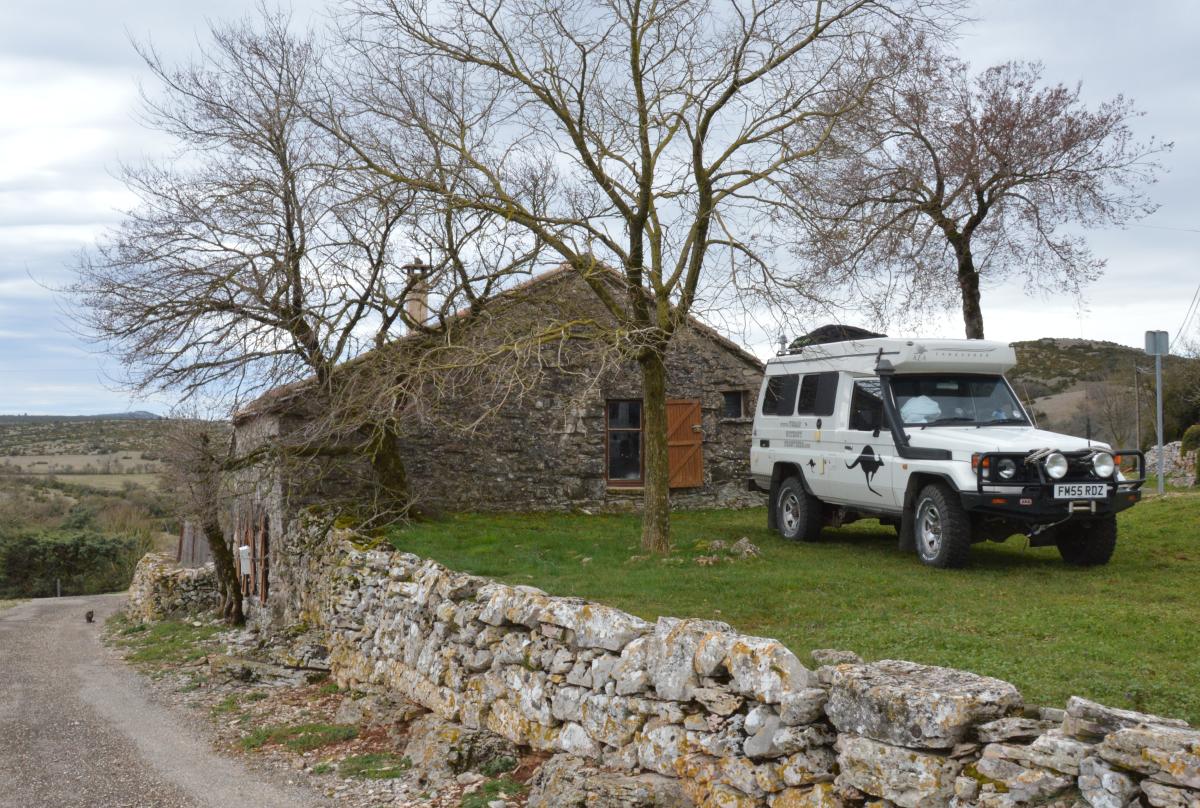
(685, 444)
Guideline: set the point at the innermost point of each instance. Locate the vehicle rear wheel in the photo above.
(797, 512)
(1087, 543)
(941, 528)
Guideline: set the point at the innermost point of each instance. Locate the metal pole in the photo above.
(1137, 410)
(1158, 395)
(58, 587)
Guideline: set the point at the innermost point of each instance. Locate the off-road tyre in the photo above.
(1087, 543)
(941, 527)
(797, 512)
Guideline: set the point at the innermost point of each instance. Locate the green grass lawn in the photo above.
(1127, 634)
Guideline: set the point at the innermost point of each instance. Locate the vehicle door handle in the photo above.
(764, 444)
(848, 448)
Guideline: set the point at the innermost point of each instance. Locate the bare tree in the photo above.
(256, 257)
(950, 180)
(197, 454)
(647, 137)
(1109, 405)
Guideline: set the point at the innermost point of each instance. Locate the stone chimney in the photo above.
(416, 303)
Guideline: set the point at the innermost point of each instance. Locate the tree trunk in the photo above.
(968, 282)
(656, 498)
(223, 560)
(391, 477)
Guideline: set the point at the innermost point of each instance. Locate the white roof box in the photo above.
(907, 355)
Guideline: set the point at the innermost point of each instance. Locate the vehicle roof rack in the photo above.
(830, 333)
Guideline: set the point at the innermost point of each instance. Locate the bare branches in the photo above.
(618, 133)
(972, 178)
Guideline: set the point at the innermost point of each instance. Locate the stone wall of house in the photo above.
(545, 450)
(692, 712)
(531, 436)
(160, 589)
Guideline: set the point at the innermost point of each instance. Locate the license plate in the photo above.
(1080, 491)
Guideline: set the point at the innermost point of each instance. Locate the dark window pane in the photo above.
(818, 393)
(780, 398)
(625, 414)
(808, 394)
(732, 404)
(624, 455)
(826, 393)
(866, 407)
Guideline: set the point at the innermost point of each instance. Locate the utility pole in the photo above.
(1157, 345)
(1137, 410)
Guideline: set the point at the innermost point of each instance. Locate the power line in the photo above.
(1164, 227)
(1187, 317)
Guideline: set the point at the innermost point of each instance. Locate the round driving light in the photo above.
(1056, 465)
(1007, 469)
(1103, 464)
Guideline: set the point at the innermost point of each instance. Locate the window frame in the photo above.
(608, 430)
(743, 398)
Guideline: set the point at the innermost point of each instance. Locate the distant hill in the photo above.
(1085, 387)
(1048, 365)
(138, 415)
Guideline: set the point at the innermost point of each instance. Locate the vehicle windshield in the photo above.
(956, 400)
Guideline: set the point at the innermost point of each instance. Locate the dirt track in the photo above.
(77, 729)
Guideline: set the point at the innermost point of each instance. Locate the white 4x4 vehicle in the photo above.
(928, 436)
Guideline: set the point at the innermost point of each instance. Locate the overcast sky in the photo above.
(68, 90)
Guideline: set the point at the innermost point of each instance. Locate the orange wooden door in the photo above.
(685, 443)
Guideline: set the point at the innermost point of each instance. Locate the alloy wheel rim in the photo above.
(790, 510)
(929, 528)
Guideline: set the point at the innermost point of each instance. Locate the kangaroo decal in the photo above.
(870, 463)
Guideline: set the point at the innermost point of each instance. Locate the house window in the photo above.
(780, 397)
(624, 441)
(733, 404)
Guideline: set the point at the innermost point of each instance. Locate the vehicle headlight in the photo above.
(1103, 464)
(1056, 465)
(1006, 468)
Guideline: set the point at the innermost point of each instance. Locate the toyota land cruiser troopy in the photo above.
(928, 436)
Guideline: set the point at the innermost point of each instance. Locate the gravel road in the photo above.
(77, 729)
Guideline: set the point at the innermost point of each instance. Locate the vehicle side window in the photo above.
(866, 406)
(818, 394)
(780, 397)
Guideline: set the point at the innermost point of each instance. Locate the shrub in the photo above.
(83, 561)
(1191, 438)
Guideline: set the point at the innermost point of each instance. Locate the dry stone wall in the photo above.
(693, 712)
(1180, 468)
(161, 588)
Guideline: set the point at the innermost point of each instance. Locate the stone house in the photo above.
(572, 441)
(575, 440)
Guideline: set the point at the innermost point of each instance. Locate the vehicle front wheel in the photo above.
(797, 512)
(1087, 543)
(941, 527)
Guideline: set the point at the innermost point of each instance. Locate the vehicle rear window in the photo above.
(818, 393)
(780, 397)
